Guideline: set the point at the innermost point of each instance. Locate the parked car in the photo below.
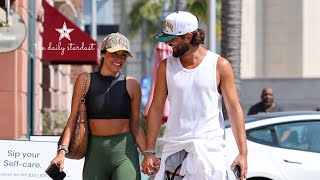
(281, 146)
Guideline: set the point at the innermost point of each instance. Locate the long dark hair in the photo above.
(198, 37)
(99, 67)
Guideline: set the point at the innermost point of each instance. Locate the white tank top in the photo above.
(195, 121)
(195, 103)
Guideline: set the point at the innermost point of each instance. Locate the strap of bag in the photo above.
(174, 174)
(113, 83)
(83, 100)
(168, 173)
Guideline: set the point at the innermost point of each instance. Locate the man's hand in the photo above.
(150, 165)
(241, 160)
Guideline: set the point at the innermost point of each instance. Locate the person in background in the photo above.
(194, 79)
(113, 111)
(267, 103)
(162, 51)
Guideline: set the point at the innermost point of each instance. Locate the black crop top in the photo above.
(102, 103)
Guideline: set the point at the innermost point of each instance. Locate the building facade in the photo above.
(280, 43)
(280, 39)
(52, 84)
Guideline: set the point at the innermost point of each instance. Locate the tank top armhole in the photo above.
(166, 62)
(215, 70)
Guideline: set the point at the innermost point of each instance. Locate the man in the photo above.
(266, 104)
(194, 79)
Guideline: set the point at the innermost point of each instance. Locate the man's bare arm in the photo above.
(235, 113)
(156, 108)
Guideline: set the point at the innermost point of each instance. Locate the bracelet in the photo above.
(63, 147)
(149, 152)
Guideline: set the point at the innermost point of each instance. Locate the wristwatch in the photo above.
(63, 147)
(149, 152)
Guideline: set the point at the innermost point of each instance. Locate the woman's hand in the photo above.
(59, 159)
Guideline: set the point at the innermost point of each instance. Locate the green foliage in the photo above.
(218, 19)
(162, 129)
(53, 121)
(143, 124)
(146, 15)
(199, 9)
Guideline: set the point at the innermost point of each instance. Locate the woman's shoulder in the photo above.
(81, 77)
(132, 82)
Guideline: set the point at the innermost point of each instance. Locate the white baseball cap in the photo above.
(177, 23)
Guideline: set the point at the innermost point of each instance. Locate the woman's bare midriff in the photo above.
(108, 127)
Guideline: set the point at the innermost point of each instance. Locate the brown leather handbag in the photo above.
(78, 143)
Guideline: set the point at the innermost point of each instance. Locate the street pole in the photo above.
(31, 65)
(8, 11)
(94, 19)
(212, 25)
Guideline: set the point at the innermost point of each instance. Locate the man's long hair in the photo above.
(198, 37)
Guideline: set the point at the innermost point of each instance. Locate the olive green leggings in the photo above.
(112, 158)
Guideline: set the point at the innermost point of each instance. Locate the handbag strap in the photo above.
(114, 81)
(83, 100)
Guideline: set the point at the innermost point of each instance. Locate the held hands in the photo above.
(241, 160)
(59, 159)
(150, 165)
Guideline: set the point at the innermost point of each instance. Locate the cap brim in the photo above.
(163, 37)
(116, 49)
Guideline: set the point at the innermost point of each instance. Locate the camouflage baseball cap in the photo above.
(116, 42)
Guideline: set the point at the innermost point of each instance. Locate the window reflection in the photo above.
(297, 136)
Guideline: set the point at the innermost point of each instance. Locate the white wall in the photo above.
(311, 38)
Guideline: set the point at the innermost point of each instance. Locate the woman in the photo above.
(113, 110)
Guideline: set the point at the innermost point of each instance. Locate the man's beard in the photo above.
(267, 102)
(181, 51)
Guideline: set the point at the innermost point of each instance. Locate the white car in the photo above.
(281, 146)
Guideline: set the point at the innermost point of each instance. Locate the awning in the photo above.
(64, 42)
